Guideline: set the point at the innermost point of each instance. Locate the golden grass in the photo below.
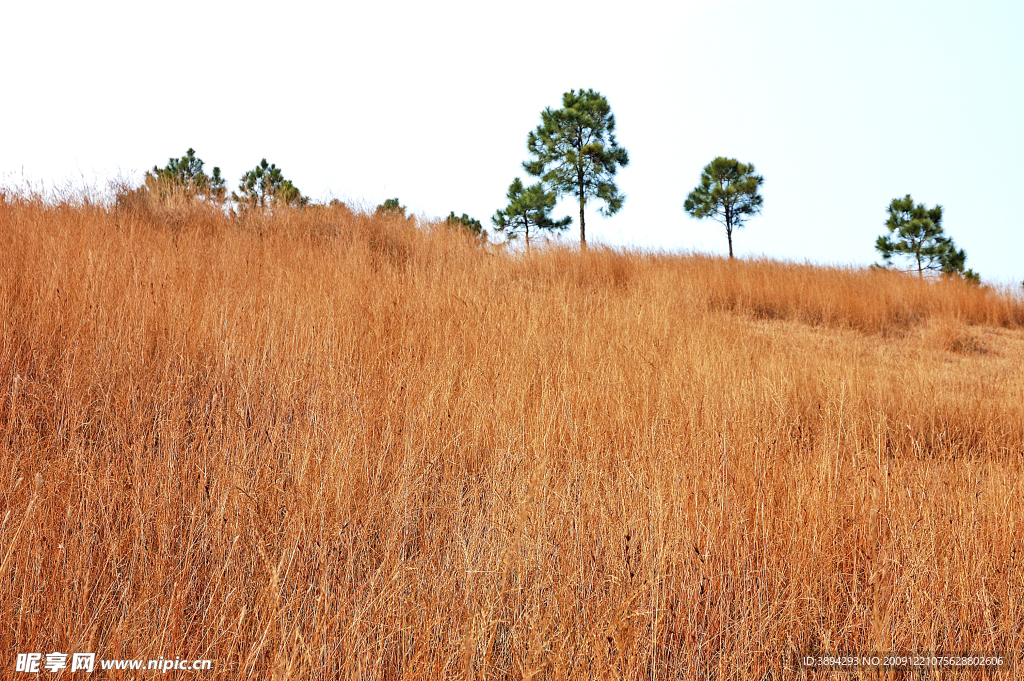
(328, 445)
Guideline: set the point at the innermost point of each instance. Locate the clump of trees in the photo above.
(728, 193)
(575, 153)
(916, 235)
(185, 178)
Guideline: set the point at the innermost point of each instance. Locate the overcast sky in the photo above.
(842, 106)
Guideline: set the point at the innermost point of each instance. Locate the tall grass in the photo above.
(323, 444)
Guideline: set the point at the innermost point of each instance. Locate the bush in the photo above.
(184, 178)
(467, 223)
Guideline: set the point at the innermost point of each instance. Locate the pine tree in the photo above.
(471, 225)
(916, 233)
(266, 187)
(727, 193)
(575, 152)
(391, 207)
(528, 208)
(186, 178)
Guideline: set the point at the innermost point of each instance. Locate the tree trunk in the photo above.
(583, 228)
(728, 233)
(579, 186)
(728, 229)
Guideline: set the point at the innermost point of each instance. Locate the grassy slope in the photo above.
(326, 444)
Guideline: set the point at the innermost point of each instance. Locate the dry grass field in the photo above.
(328, 445)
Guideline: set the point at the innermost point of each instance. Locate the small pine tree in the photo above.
(529, 208)
(916, 233)
(184, 177)
(954, 263)
(467, 223)
(266, 187)
(391, 207)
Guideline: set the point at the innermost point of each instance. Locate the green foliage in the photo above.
(953, 264)
(916, 234)
(575, 153)
(391, 207)
(184, 177)
(728, 193)
(467, 223)
(528, 207)
(266, 187)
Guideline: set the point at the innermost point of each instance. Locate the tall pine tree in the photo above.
(575, 153)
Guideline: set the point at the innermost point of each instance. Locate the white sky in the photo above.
(842, 106)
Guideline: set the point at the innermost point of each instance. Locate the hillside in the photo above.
(324, 444)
